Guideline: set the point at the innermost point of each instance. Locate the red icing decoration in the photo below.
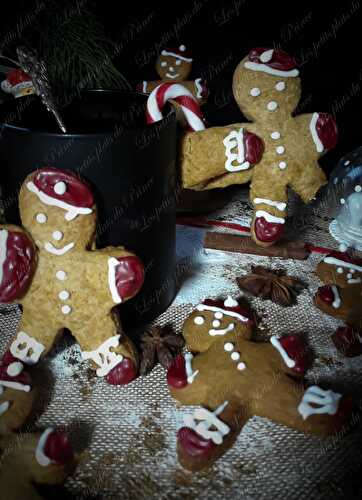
(176, 374)
(327, 131)
(18, 267)
(296, 350)
(78, 194)
(347, 341)
(123, 373)
(193, 444)
(280, 60)
(8, 358)
(58, 448)
(254, 148)
(238, 309)
(129, 276)
(23, 377)
(326, 294)
(268, 232)
(17, 76)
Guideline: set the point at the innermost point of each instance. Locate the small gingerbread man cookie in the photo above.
(174, 65)
(62, 281)
(341, 295)
(273, 152)
(233, 378)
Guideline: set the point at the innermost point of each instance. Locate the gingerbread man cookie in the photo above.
(54, 271)
(341, 295)
(275, 151)
(233, 378)
(174, 65)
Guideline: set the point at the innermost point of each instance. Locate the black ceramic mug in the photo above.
(131, 166)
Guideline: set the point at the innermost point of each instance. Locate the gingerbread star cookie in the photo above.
(275, 151)
(232, 378)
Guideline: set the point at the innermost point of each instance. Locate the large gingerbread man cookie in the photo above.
(52, 268)
(341, 295)
(174, 65)
(275, 151)
(234, 378)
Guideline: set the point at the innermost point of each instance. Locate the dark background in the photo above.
(325, 39)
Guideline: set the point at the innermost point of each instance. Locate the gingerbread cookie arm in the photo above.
(44, 459)
(18, 261)
(219, 156)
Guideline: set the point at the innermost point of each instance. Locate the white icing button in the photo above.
(66, 309)
(283, 165)
(216, 323)
(275, 135)
(255, 91)
(199, 320)
(340, 270)
(57, 235)
(280, 150)
(41, 218)
(218, 315)
(272, 105)
(228, 346)
(352, 271)
(349, 276)
(64, 295)
(358, 189)
(235, 356)
(61, 275)
(241, 366)
(280, 86)
(14, 369)
(178, 62)
(343, 201)
(60, 187)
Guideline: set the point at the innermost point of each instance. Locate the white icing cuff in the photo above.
(104, 357)
(40, 456)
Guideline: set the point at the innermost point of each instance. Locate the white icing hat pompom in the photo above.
(230, 302)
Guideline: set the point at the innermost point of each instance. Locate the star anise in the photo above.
(271, 284)
(160, 344)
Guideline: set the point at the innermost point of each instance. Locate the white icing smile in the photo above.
(49, 247)
(173, 75)
(223, 331)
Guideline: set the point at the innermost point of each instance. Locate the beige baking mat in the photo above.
(129, 433)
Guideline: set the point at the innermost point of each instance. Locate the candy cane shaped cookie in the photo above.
(182, 96)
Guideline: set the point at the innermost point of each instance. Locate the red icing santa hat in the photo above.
(273, 61)
(229, 307)
(179, 53)
(61, 188)
(16, 81)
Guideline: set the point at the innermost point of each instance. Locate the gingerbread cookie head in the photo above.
(63, 212)
(266, 80)
(174, 64)
(213, 319)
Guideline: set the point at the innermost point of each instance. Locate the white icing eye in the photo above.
(255, 91)
(61, 275)
(41, 218)
(178, 62)
(349, 276)
(352, 271)
(57, 235)
(358, 189)
(228, 346)
(60, 187)
(272, 105)
(343, 201)
(275, 135)
(199, 320)
(235, 356)
(280, 86)
(216, 323)
(340, 270)
(64, 295)
(163, 64)
(66, 309)
(218, 315)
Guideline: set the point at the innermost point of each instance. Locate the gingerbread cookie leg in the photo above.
(270, 202)
(113, 356)
(43, 459)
